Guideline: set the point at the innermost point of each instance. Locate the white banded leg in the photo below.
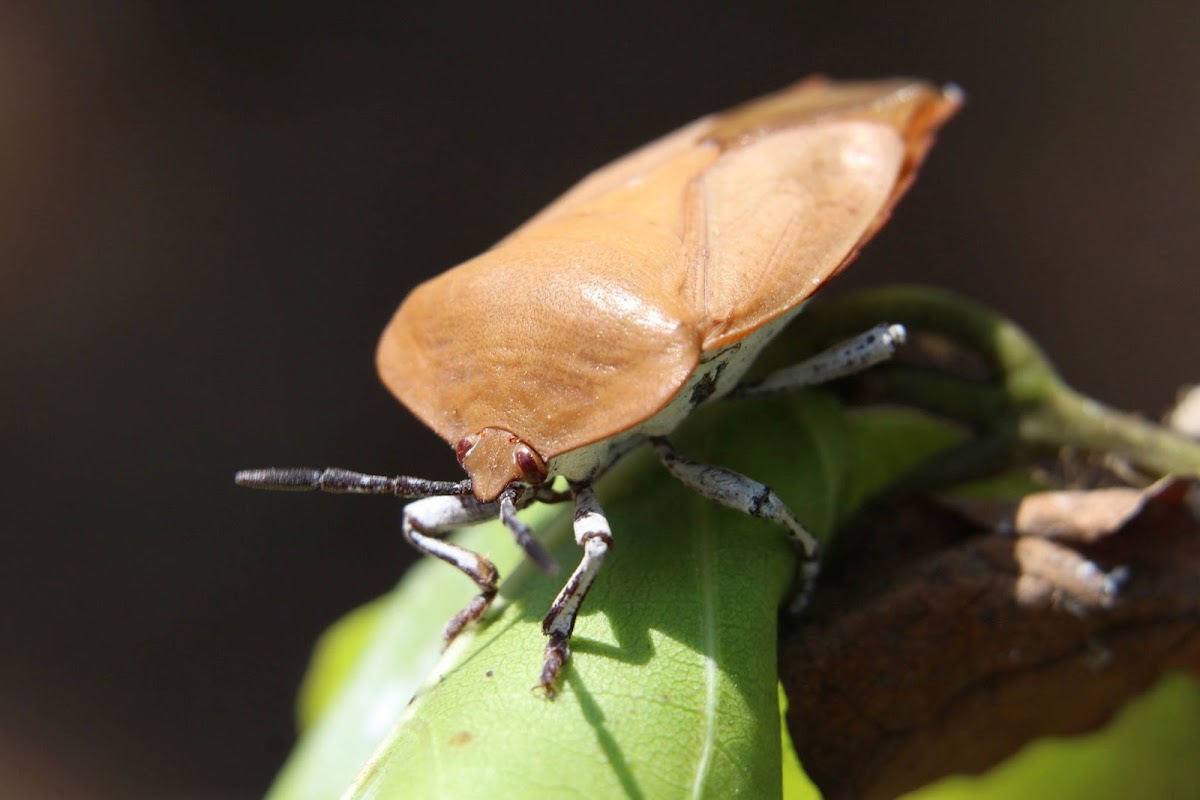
(853, 355)
(734, 490)
(426, 521)
(593, 534)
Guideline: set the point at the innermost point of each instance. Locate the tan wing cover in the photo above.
(590, 317)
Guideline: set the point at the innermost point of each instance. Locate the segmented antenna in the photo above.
(523, 534)
(344, 481)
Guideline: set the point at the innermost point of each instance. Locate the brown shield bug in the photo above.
(643, 292)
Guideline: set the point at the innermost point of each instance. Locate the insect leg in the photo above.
(734, 490)
(595, 537)
(426, 521)
(853, 355)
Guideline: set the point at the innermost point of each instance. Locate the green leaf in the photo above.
(671, 689)
(338, 653)
(368, 666)
(884, 443)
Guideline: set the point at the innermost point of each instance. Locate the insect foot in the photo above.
(554, 657)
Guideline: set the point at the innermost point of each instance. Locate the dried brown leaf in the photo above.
(949, 661)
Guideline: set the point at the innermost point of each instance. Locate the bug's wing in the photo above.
(625, 171)
(568, 331)
(551, 336)
(801, 179)
(795, 105)
(806, 176)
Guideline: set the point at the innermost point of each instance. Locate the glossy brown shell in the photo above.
(587, 320)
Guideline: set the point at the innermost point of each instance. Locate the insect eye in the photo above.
(531, 464)
(465, 446)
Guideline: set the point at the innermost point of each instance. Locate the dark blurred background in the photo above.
(208, 212)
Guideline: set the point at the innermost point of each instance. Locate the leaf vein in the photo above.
(707, 580)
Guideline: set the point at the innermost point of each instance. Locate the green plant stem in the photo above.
(1026, 396)
(1069, 418)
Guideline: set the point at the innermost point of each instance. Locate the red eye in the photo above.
(531, 465)
(464, 446)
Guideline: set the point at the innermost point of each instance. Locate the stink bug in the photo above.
(643, 292)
